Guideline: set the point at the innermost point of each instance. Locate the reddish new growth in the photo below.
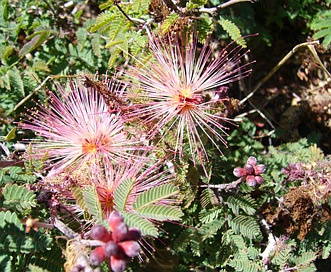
(251, 172)
(120, 243)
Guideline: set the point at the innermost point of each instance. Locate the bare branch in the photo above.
(222, 6)
(225, 187)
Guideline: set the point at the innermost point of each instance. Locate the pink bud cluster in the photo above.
(120, 243)
(251, 172)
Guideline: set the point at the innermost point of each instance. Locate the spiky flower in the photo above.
(77, 128)
(123, 183)
(183, 87)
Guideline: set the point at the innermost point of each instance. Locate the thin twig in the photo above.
(132, 20)
(276, 68)
(37, 89)
(221, 6)
(225, 186)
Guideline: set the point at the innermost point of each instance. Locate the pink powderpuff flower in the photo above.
(177, 86)
(76, 127)
(145, 174)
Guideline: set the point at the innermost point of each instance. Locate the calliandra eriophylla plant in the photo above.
(182, 91)
(87, 144)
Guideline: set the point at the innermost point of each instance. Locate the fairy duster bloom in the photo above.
(126, 181)
(177, 86)
(77, 127)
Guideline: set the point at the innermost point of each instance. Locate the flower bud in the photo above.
(133, 234)
(249, 169)
(131, 248)
(97, 256)
(117, 264)
(259, 169)
(111, 248)
(259, 179)
(114, 219)
(252, 161)
(239, 172)
(250, 180)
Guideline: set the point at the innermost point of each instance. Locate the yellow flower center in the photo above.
(95, 145)
(186, 100)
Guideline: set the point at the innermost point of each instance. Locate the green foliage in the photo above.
(222, 229)
(122, 193)
(92, 202)
(321, 25)
(171, 19)
(146, 227)
(245, 202)
(154, 195)
(15, 174)
(148, 205)
(14, 239)
(246, 226)
(19, 198)
(232, 30)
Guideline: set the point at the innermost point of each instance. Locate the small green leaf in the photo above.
(122, 193)
(135, 221)
(92, 202)
(16, 81)
(155, 195)
(19, 197)
(161, 212)
(35, 42)
(11, 134)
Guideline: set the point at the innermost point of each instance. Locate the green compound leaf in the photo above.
(233, 31)
(92, 202)
(15, 80)
(244, 265)
(246, 226)
(208, 197)
(305, 259)
(155, 195)
(77, 193)
(95, 42)
(321, 23)
(5, 262)
(171, 19)
(19, 198)
(246, 203)
(160, 212)
(211, 228)
(122, 193)
(51, 260)
(81, 35)
(14, 239)
(135, 221)
(34, 268)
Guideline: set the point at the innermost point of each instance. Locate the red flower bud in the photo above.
(239, 172)
(249, 169)
(250, 180)
(252, 161)
(111, 248)
(259, 169)
(117, 264)
(259, 179)
(114, 219)
(131, 248)
(97, 256)
(119, 232)
(133, 234)
(99, 232)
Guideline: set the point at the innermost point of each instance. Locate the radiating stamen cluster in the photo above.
(77, 128)
(176, 83)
